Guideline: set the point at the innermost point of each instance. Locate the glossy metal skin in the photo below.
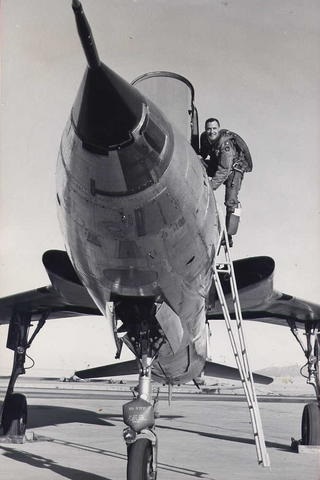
(137, 212)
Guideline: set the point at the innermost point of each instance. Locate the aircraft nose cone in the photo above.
(106, 110)
(112, 118)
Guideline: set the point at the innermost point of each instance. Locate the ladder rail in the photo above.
(236, 302)
(248, 391)
(239, 346)
(239, 319)
(240, 329)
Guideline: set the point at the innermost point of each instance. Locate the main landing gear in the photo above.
(144, 338)
(310, 425)
(14, 409)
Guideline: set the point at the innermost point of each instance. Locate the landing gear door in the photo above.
(174, 95)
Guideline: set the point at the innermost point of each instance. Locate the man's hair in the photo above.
(209, 120)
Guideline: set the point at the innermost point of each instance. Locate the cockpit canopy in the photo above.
(174, 96)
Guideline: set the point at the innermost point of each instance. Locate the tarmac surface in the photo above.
(75, 432)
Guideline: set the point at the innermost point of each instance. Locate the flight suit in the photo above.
(225, 166)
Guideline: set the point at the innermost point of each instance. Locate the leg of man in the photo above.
(233, 185)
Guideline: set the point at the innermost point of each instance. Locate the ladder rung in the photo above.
(239, 353)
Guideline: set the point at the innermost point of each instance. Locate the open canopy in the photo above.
(174, 95)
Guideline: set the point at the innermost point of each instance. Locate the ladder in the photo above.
(237, 339)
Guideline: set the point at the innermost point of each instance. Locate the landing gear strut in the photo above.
(140, 435)
(310, 425)
(139, 415)
(14, 409)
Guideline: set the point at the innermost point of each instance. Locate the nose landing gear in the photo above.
(140, 461)
(139, 415)
(140, 435)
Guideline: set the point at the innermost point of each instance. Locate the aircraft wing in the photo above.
(259, 301)
(41, 300)
(65, 297)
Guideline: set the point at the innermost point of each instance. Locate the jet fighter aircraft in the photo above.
(142, 232)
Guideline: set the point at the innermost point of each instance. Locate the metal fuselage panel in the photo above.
(159, 241)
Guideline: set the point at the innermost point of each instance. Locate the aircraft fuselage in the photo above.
(137, 212)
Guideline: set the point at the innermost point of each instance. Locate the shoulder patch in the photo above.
(226, 146)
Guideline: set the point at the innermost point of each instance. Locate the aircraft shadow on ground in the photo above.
(75, 474)
(219, 436)
(44, 415)
(44, 463)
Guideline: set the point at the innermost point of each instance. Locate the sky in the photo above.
(254, 64)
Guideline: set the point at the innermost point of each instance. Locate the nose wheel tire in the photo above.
(140, 461)
(14, 415)
(310, 427)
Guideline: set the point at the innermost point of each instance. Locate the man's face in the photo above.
(212, 130)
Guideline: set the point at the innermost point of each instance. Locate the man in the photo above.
(229, 158)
